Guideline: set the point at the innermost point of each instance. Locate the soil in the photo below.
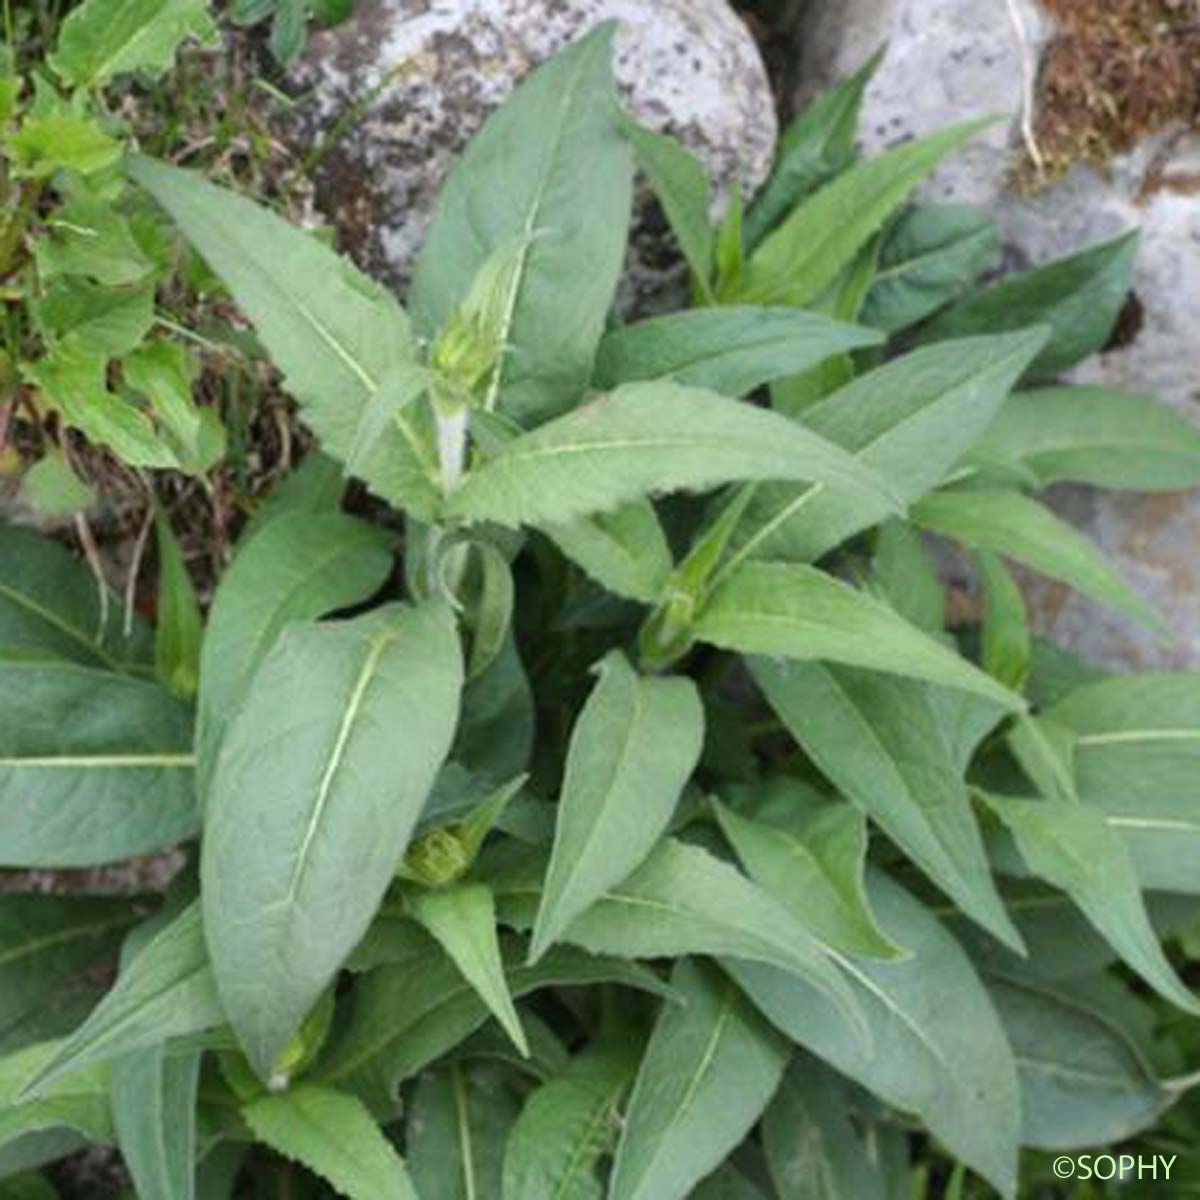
(1113, 73)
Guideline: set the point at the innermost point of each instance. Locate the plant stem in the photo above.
(10, 240)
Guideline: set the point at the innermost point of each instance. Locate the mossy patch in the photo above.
(1113, 72)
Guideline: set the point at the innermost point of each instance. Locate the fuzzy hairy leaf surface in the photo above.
(643, 438)
(552, 169)
(313, 803)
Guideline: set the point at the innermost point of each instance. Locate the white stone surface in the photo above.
(441, 66)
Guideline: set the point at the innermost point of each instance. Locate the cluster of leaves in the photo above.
(82, 253)
(646, 835)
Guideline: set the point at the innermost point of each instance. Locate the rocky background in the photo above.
(1100, 100)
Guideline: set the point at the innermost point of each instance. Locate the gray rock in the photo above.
(426, 73)
(950, 59)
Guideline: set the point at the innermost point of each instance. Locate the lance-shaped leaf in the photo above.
(335, 1136)
(1079, 297)
(814, 868)
(682, 900)
(94, 766)
(817, 146)
(910, 419)
(1137, 760)
(643, 438)
(1021, 528)
(681, 185)
(47, 940)
(880, 743)
(180, 630)
(1073, 848)
(50, 606)
(1117, 440)
(950, 1064)
(933, 253)
(792, 611)
(564, 1128)
(167, 991)
(297, 566)
(634, 746)
(79, 1102)
(1084, 1079)
(313, 803)
(813, 1149)
(625, 550)
(463, 919)
(793, 267)
(551, 169)
(333, 333)
(153, 1096)
(457, 1124)
(730, 350)
(710, 1069)
(103, 38)
(407, 1014)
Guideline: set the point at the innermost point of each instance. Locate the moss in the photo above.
(1113, 72)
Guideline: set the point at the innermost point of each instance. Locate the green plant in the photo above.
(289, 21)
(658, 753)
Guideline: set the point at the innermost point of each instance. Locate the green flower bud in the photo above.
(438, 858)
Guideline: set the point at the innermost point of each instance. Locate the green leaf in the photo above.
(949, 1064)
(489, 608)
(730, 350)
(289, 31)
(813, 1150)
(104, 38)
(1021, 528)
(458, 1121)
(408, 1014)
(642, 438)
(1084, 1080)
(1108, 439)
(51, 141)
(78, 1102)
(682, 900)
(495, 733)
(333, 333)
(335, 1136)
(89, 237)
(552, 169)
(792, 266)
(1073, 848)
(74, 382)
(932, 253)
(903, 575)
(94, 766)
(879, 741)
(166, 991)
(1007, 644)
(313, 803)
(46, 941)
(624, 550)
(564, 1127)
(163, 372)
(911, 420)
(1137, 761)
(814, 867)
(1079, 297)
(634, 746)
(296, 567)
(180, 630)
(710, 1069)
(52, 489)
(153, 1096)
(681, 187)
(463, 920)
(816, 147)
(797, 612)
(90, 319)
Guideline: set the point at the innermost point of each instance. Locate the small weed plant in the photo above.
(604, 810)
